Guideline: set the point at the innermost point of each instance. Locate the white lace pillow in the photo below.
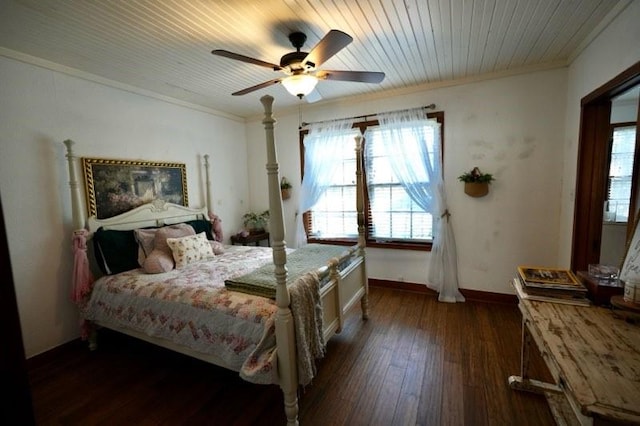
(190, 249)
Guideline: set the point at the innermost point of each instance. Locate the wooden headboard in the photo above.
(157, 213)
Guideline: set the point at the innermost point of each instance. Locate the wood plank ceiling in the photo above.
(163, 46)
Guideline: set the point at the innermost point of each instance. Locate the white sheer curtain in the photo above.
(405, 134)
(322, 145)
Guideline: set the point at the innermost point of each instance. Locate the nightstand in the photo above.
(251, 239)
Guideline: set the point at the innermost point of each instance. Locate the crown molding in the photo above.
(43, 63)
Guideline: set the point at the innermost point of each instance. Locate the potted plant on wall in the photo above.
(476, 183)
(285, 188)
(256, 223)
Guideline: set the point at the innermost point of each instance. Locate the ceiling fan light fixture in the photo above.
(300, 84)
(300, 67)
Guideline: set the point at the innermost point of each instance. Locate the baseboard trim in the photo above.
(471, 295)
(42, 359)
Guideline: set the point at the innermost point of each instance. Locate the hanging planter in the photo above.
(476, 189)
(476, 183)
(285, 188)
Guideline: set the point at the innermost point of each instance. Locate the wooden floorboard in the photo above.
(416, 361)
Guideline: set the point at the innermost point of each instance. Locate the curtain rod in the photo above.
(304, 123)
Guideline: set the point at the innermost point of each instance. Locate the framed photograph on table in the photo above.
(547, 275)
(117, 186)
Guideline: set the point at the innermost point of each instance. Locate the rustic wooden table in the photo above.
(593, 356)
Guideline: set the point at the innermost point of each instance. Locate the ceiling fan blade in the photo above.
(357, 76)
(331, 43)
(257, 87)
(247, 59)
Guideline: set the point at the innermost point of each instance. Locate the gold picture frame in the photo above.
(536, 276)
(116, 186)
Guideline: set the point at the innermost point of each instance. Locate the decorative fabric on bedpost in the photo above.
(82, 278)
(216, 226)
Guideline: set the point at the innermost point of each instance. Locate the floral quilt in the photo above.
(191, 307)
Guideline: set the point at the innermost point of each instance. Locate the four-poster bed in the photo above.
(274, 348)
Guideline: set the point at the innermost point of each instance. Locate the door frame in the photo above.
(592, 173)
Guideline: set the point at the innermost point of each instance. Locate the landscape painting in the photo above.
(117, 186)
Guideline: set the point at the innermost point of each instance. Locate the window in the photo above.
(392, 218)
(620, 173)
(334, 216)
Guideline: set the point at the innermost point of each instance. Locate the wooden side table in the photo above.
(251, 239)
(592, 356)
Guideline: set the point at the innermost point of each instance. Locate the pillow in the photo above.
(158, 262)
(190, 249)
(218, 248)
(146, 239)
(201, 225)
(162, 259)
(115, 251)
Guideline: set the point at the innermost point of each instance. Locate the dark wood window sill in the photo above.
(395, 245)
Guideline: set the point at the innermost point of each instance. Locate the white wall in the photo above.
(511, 127)
(613, 51)
(41, 108)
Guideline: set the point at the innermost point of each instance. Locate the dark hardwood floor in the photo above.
(414, 362)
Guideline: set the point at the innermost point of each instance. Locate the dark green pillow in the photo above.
(201, 225)
(115, 251)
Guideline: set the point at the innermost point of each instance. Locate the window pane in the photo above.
(621, 171)
(335, 216)
(394, 215)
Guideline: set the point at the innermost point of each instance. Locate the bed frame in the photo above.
(343, 290)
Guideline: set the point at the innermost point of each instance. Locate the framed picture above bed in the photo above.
(117, 186)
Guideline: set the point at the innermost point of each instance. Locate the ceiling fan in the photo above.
(301, 68)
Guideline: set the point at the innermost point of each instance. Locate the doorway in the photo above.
(620, 159)
(593, 172)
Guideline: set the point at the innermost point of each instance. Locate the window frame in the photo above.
(391, 244)
(613, 128)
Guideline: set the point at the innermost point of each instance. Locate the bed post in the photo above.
(207, 194)
(76, 209)
(285, 335)
(81, 277)
(364, 302)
